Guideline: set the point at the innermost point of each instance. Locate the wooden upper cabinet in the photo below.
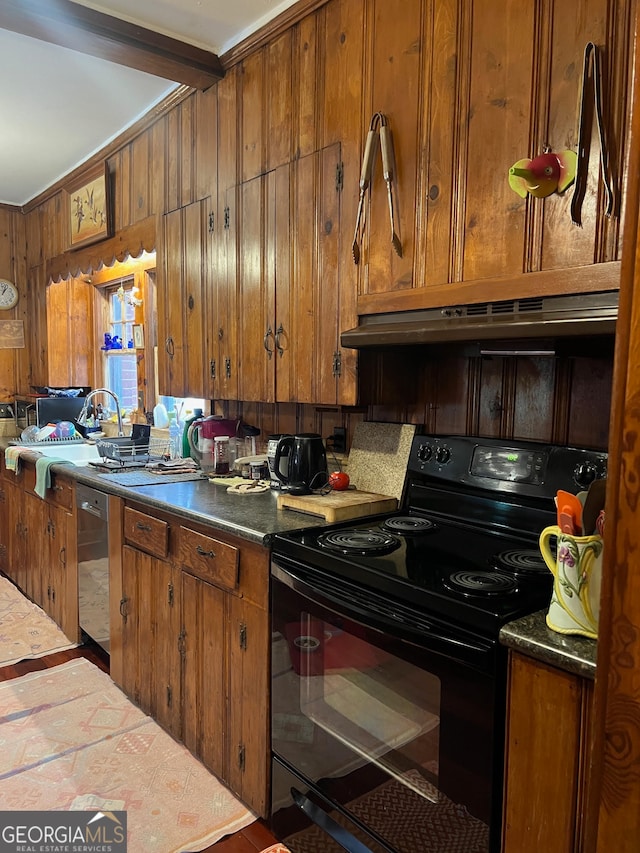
(181, 316)
(251, 103)
(278, 101)
(469, 89)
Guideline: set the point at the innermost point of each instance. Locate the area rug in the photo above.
(70, 739)
(25, 629)
(417, 824)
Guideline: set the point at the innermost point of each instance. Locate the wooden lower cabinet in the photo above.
(38, 544)
(194, 641)
(547, 742)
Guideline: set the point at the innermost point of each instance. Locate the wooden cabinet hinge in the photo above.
(339, 177)
(227, 218)
(227, 367)
(123, 608)
(337, 364)
(242, 636)
(212, 368)
(170, 594)
(241, 757)
(212, 220)
(169, 695)
(182, 646)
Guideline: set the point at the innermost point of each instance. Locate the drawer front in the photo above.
(146, 533)
(209, 559)
(61, 492)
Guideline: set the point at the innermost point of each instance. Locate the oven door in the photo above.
(387, 726)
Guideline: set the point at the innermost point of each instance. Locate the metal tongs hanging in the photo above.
(378, 127)
(591, 89)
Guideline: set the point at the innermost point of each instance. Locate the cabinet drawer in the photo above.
(61, 492)
(145, 532)
(209, 559)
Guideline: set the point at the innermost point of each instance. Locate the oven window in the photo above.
(373, 707)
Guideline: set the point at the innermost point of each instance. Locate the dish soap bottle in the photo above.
(191, 417)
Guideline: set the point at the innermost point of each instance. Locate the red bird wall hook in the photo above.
(548, 173)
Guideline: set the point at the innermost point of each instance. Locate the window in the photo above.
(120, 358)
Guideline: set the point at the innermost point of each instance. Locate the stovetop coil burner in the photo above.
(358, 542)
(521, 562)
(478, 582)
(409, 525)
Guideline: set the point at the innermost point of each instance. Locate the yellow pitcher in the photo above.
(577, 574)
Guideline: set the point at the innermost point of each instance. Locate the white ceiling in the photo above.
(58, 107)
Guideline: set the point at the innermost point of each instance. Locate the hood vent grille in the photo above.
(533, 317)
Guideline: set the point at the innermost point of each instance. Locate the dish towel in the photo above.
(43, 473)
(12, 458)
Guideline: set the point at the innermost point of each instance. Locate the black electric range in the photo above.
(464, 545)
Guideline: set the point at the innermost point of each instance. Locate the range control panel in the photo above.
(524, 467)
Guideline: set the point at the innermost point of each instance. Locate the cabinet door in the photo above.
(36, 543)
(248, 711)
(222, 308)
(204, 694)
(57, 592)
(314, 300)
(547, 744)
(150, 636)
(256, 371)
(181, 304)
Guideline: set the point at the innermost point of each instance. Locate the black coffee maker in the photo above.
(300, 463)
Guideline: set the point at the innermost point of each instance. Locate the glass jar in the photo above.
(221, 454)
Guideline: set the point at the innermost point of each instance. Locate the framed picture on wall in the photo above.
(138, 337)
(88, 211)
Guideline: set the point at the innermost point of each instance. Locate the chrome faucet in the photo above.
(82, 417)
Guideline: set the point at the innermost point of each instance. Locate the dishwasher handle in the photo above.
(86, 506)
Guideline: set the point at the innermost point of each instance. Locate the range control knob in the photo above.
(585, 473)
(425, 452)
(443, 454)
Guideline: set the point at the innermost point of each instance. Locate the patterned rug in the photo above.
(70, 739)
(25, 629)
(416, 824)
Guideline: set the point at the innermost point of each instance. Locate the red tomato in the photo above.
(339, 481)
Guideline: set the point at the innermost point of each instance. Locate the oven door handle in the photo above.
(322, 820)
(381, 613)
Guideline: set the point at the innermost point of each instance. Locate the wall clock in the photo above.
(8, 294)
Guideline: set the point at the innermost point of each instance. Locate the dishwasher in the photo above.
(93, 563)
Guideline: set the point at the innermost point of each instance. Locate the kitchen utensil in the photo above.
(365, 180)
(591, 85)
(386, 145)
(569, 513)
(306, 465)
(593, 504)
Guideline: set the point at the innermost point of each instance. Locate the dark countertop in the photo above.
(531, 636)
(254, 517)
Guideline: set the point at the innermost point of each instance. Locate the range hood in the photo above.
(538, 317)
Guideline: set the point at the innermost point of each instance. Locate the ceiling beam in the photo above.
(87, 31)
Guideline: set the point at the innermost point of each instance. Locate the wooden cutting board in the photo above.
(338, 506)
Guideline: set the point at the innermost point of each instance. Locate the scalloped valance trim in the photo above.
(130, 242)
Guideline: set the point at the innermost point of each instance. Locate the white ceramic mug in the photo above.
(577, 575)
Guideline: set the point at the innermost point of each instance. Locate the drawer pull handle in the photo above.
(142, 526)
(204, 553)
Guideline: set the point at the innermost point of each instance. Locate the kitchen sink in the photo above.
(78, 454)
